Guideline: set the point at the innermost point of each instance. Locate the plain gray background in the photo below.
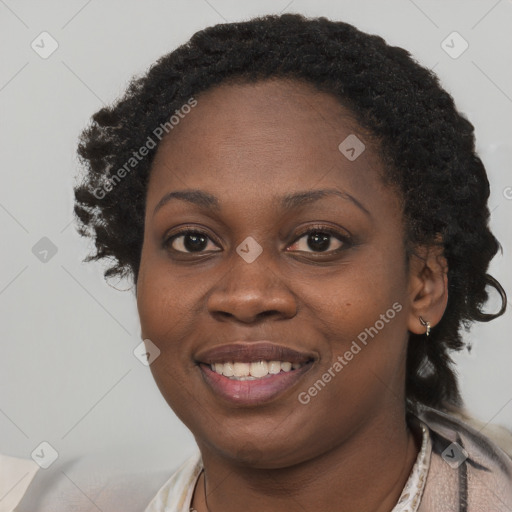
(68, 375)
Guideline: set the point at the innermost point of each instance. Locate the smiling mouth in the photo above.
(252, 373)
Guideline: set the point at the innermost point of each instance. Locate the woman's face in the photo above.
(294, 254)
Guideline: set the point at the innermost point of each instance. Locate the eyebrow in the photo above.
(288, 202)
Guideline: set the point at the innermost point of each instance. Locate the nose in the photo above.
(250, 292)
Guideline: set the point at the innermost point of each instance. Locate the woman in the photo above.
(305, 219)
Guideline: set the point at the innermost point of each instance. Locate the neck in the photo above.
(336, 480)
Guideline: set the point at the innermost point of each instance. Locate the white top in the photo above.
(457, 470)
(176, 493)
(15, 477)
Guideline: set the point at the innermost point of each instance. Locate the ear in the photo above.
(428, 287)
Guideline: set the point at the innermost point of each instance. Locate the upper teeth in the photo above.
(255, 370)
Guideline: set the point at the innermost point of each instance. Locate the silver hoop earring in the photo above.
(426, 324)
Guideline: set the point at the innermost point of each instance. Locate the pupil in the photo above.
(195, 242)
(319, 241)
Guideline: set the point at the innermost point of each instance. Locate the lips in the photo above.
(253, 351)
(250, 391)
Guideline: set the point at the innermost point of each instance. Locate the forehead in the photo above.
(261, 111)
(262, 137)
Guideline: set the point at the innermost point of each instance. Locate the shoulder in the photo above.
(466, 465)
(485, 442)
(176, 494)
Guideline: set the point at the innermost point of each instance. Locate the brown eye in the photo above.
(189, 242)
(319, 240)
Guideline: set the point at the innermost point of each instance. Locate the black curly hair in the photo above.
(426, 145)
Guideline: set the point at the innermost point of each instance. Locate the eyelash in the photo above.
(343, 238)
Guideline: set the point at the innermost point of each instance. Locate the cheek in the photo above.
(355, 296)
(359, 314)
(165, 320)
(152, 304)
(163, 302)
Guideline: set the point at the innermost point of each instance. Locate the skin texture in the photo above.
(249, 145)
